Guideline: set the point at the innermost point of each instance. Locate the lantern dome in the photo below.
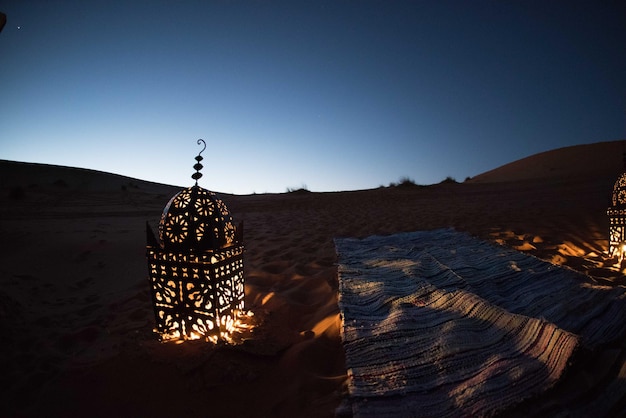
(196, 219)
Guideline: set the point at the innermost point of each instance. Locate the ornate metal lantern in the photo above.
(196, 266)
(617, 219)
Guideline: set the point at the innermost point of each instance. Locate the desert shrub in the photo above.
(301, 189)
(404, 182)
(449, 179)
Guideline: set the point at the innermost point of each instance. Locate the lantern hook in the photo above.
(198, 166)
(203, 148)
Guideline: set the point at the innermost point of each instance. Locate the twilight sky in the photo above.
(334, 95)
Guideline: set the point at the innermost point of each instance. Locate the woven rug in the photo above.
(438, 323)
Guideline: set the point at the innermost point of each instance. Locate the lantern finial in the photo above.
(197, 166)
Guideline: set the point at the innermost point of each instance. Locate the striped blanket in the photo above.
(438, 323)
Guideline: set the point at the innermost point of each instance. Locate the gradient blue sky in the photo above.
(334, 95)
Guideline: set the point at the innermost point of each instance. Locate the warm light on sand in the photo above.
(242, 323)
(329, 324)
(267, 298)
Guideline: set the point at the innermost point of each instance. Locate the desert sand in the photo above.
(76, 315)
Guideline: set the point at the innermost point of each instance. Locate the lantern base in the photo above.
(196, 295)
(240, 331)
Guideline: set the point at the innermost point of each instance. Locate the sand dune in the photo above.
(597, 160)
(75, 304)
